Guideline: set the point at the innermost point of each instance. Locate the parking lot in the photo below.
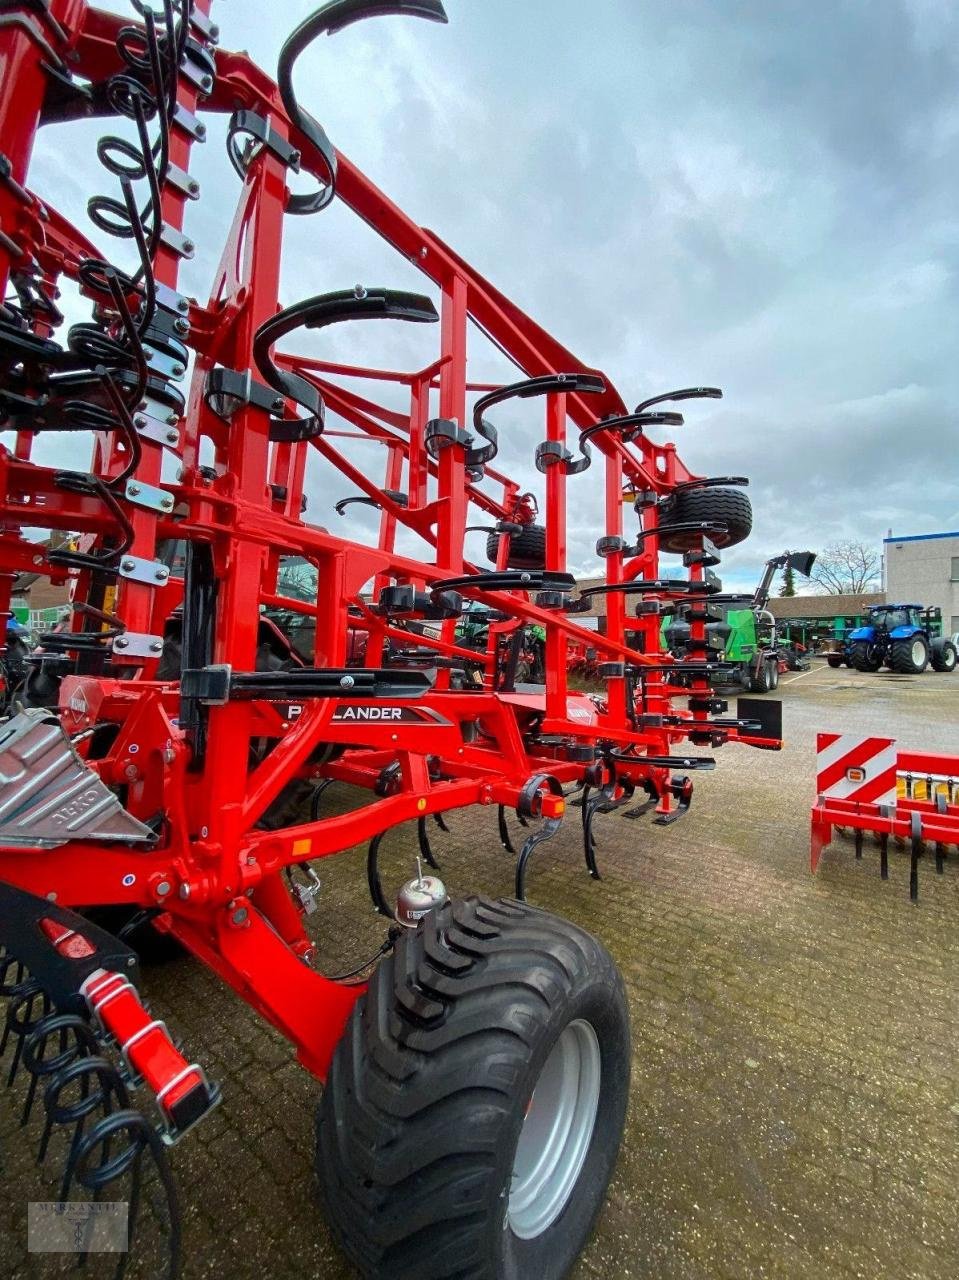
(795, 1098)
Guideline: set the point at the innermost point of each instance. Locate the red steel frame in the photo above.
(212, 856)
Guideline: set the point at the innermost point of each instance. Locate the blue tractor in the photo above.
(897, 637)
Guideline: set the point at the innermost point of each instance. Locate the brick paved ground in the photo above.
(795, 1105)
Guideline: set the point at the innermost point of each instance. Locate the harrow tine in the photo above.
(504, 838)
(424, 843)
(23, 999)
(440, 821)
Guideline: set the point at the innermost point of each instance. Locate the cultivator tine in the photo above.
(373, 876)
(504, 837)
(424, 843)
(441, 823)
(682, 792)
(884, 855)
(545, 832)
(317, 796)
(590, 803)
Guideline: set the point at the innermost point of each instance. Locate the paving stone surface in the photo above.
(795, 1093)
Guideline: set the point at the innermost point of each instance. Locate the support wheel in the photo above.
(527, 549)
(909, 657)
(863, 657)
(475, 1104)
(730, 507)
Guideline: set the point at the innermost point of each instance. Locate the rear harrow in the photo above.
(166, 752)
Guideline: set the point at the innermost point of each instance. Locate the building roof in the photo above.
(923, 537)
(824, 606)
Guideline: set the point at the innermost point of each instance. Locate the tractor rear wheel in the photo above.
(909, 657)
(475, 1104)
(834, 660)
(730, 507)
(863, 657)
(943, 656)
(527, 549)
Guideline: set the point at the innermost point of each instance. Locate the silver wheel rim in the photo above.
(556, 1132)
(918, 653)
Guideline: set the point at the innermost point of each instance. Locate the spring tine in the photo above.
(504, 839)
(424, 842)
(441, 823)
(28, 1103)
(373, 877)
(590, 806)
(317, 796)
(545, 832)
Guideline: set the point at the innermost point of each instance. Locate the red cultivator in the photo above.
(225, 657)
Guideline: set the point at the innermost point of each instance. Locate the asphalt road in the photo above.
(795, 1096)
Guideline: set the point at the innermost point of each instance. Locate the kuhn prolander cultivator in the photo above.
(225, 657)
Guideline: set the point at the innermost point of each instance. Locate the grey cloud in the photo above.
(757, 195)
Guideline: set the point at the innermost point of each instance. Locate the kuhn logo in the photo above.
(78, 703)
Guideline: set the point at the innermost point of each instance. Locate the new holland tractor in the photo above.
(897, 637)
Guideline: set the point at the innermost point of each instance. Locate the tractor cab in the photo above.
(896, 621)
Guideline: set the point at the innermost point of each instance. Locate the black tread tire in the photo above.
(901, 660)
(527, 549)
(773, 676)
(834, 660)
(731, 506)
(861, 658)
(943, 656)
(429, 1086)
(760, 680)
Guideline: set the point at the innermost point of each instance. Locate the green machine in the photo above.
(741, 632)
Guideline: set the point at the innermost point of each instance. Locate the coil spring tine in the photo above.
(424, 843)
(504, 837)
(141, 1137)
(373, 877)
(545, 832)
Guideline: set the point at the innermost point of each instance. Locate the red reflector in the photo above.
(67, 941)
(856, 775)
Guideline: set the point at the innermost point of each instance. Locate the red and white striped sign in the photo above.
(860, 769)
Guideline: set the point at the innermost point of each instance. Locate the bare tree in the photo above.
(847, 568)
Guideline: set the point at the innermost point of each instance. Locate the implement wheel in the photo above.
(909, 657)
(527, 549)
(730, 507)
(475, 1104)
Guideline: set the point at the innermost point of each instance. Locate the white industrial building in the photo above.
(924, 569)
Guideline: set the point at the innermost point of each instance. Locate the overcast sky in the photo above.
(757, 194)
